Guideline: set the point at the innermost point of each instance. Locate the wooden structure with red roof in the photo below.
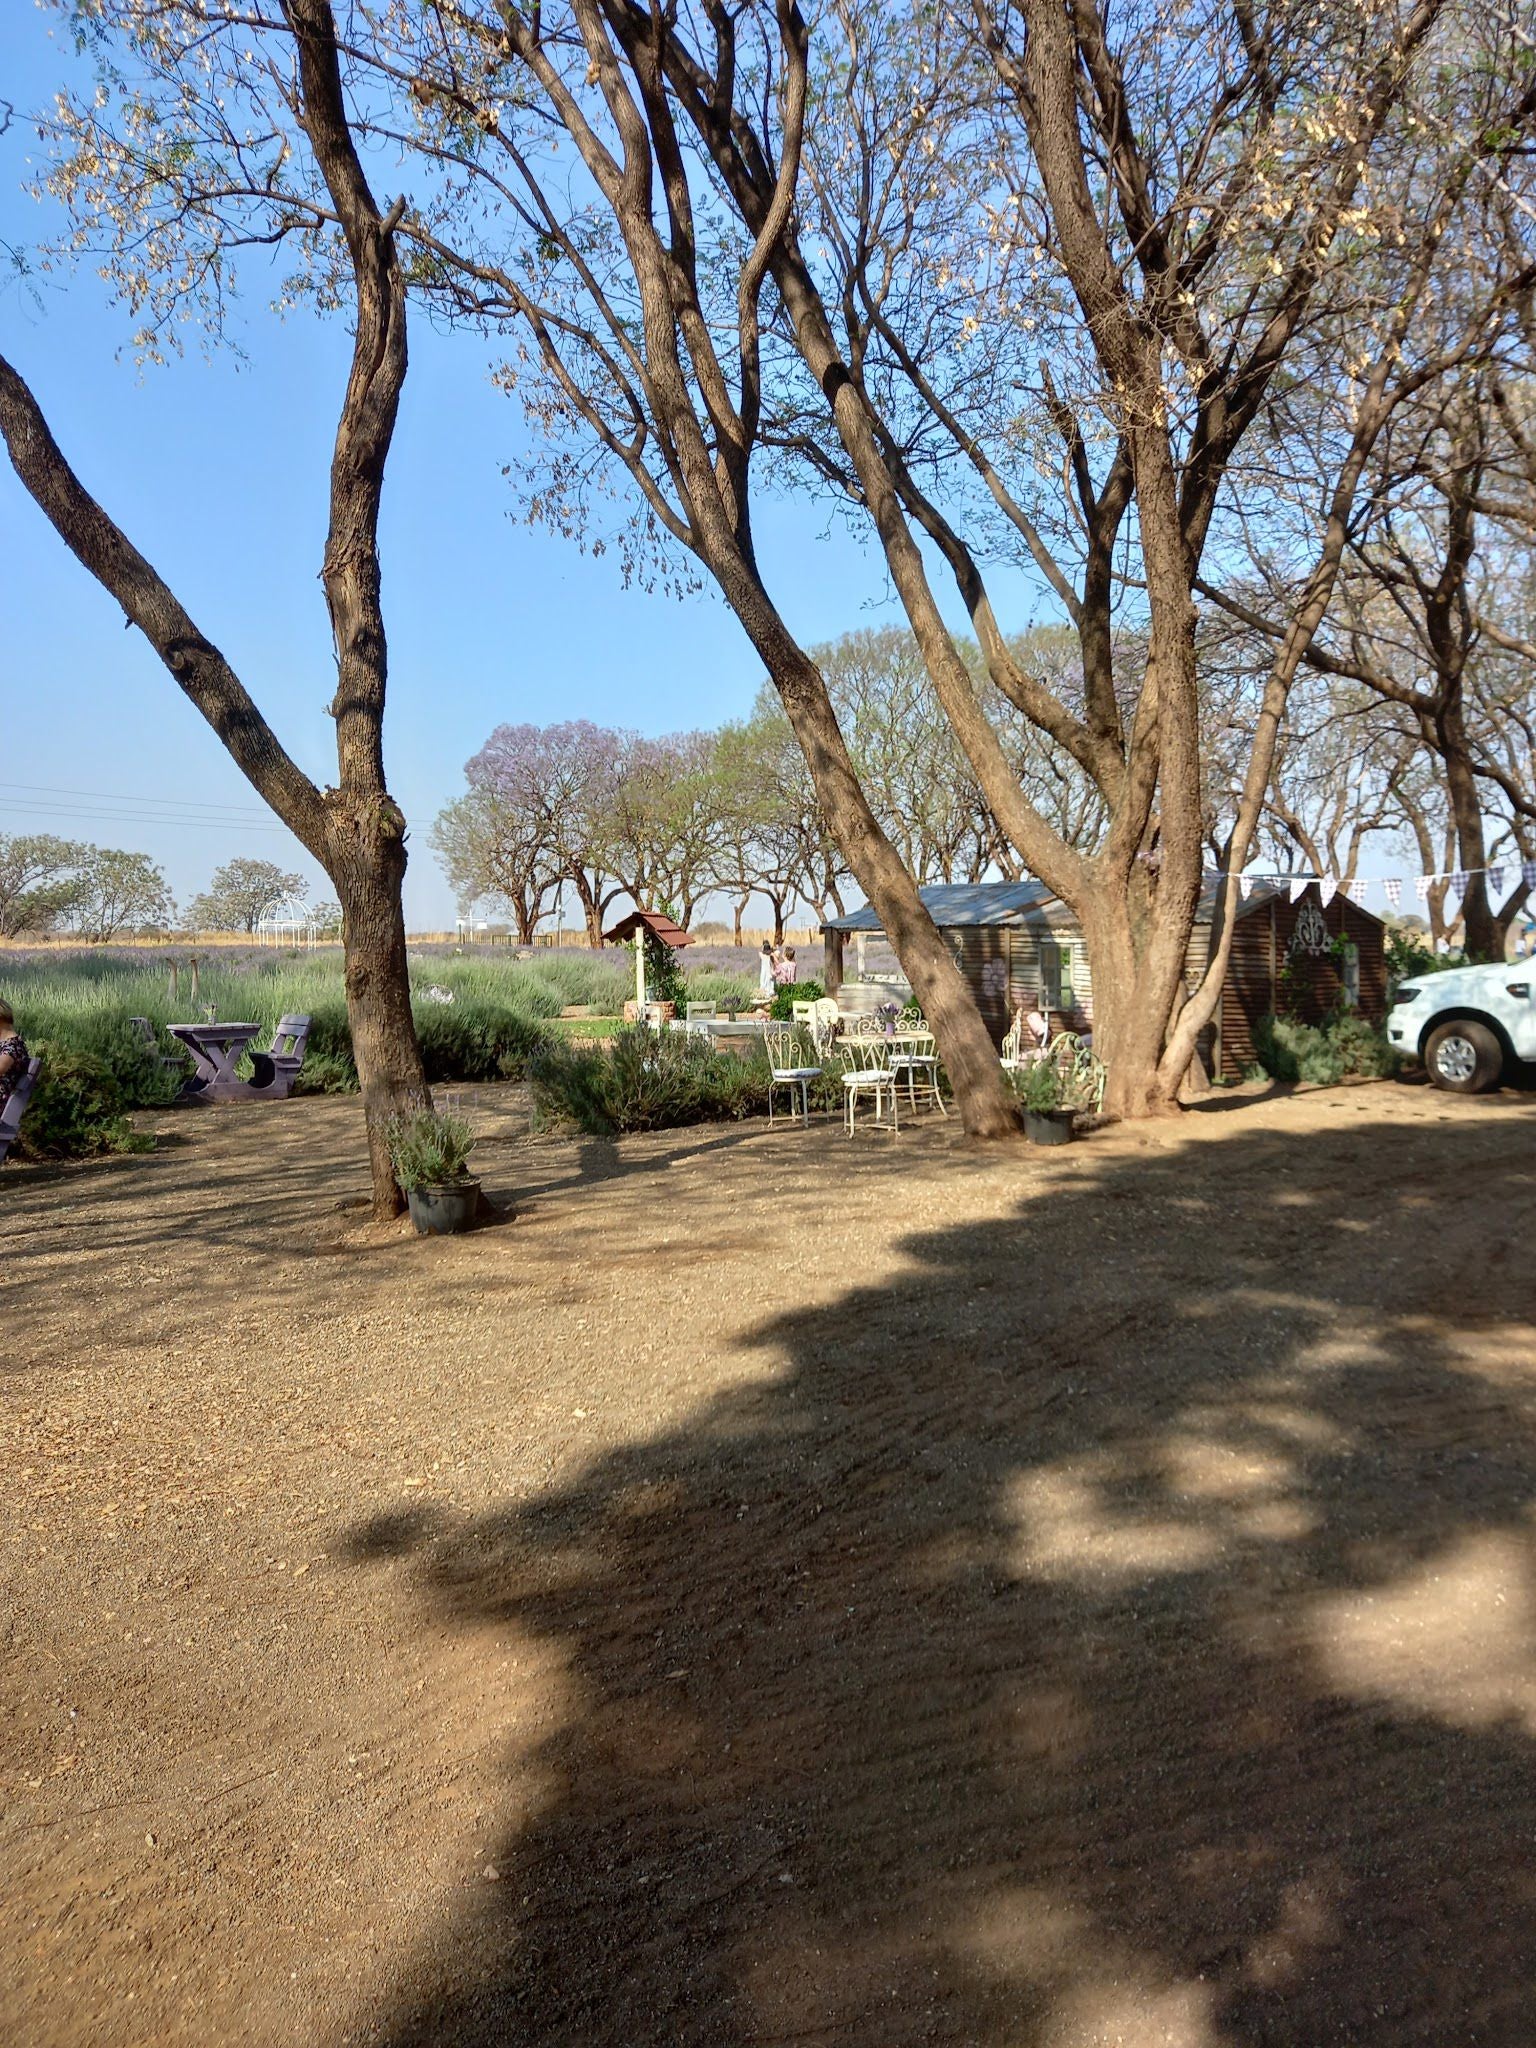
(656, 925)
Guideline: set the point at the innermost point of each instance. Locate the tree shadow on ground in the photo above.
(1035, 1662)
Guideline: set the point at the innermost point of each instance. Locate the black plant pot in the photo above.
(1048, 1126)
(446, 1209)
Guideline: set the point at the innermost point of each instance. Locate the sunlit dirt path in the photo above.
(778, 1590)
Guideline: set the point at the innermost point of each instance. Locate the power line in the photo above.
(75, 813)
(113, 796)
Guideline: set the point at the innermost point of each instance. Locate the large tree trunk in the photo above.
(390, 1075)
(987, 1104)
(1486, 932)
(1128, 1021)
(591, 911)
(356, 832)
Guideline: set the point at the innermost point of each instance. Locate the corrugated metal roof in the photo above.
(954, 904)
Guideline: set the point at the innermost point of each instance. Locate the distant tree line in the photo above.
(52, 887)
(733, 812)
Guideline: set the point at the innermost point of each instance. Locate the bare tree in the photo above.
(355, 831)
(1031, 283)
(497, 851)
(1017, 291)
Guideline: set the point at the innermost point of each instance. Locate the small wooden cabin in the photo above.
(1016, 943)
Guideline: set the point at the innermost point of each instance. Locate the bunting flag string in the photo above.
(1452, 883)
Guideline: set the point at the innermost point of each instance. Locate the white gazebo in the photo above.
(288, 924)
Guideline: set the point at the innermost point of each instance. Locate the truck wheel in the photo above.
(1464, 1057)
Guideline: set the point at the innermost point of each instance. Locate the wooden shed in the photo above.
(1306, 957)
(1016, 943)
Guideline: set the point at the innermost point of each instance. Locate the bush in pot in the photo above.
(430, 1156)
(1048, 1103)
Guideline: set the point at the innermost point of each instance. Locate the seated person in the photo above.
(13, 1053)
(1037, 1025)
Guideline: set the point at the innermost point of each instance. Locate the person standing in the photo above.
(767, 972)
(787, 973)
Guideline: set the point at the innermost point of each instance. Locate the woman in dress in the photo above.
(767, 975)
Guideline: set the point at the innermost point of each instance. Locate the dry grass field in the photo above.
(777, 1590)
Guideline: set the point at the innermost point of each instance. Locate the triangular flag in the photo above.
(1394, 889)
(1328, 888)
(1245, 886)
(1356, 889)
(1298, 887)
(1495, 881)
(1528, 873)
(1459, 881)
(1421, 887)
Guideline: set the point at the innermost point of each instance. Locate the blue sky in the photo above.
(217, 471)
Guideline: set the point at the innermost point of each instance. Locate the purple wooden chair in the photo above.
(274, 1071)
(15, 1107)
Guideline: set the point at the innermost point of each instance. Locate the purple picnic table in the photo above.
(215, 1050)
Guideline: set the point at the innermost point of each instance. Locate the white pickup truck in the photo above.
(1469, 1024)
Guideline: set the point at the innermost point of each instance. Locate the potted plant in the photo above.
(429, 1153)
(1048, 1106)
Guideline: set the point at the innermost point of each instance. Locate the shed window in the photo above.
(1056, 982)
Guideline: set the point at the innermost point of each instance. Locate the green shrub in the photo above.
(715, 985)
(76, 1109)
(1322, 1053)
(83, 1002)
(783, 1004)
(330, 1039)
(427, 1150)
(645, 1081)
(1040, 1087)
(475, 1040)
(1363, 1049)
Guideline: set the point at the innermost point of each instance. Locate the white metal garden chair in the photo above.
(868, 1077)
(917, 1059)
(1080, 1066)
(786, 1069)
(825, 1019)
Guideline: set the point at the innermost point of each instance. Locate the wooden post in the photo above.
(832, 960)
(640, 974)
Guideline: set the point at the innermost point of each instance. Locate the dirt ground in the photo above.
(778, 1590)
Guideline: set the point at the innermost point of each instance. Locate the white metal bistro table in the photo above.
(920, 1056)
